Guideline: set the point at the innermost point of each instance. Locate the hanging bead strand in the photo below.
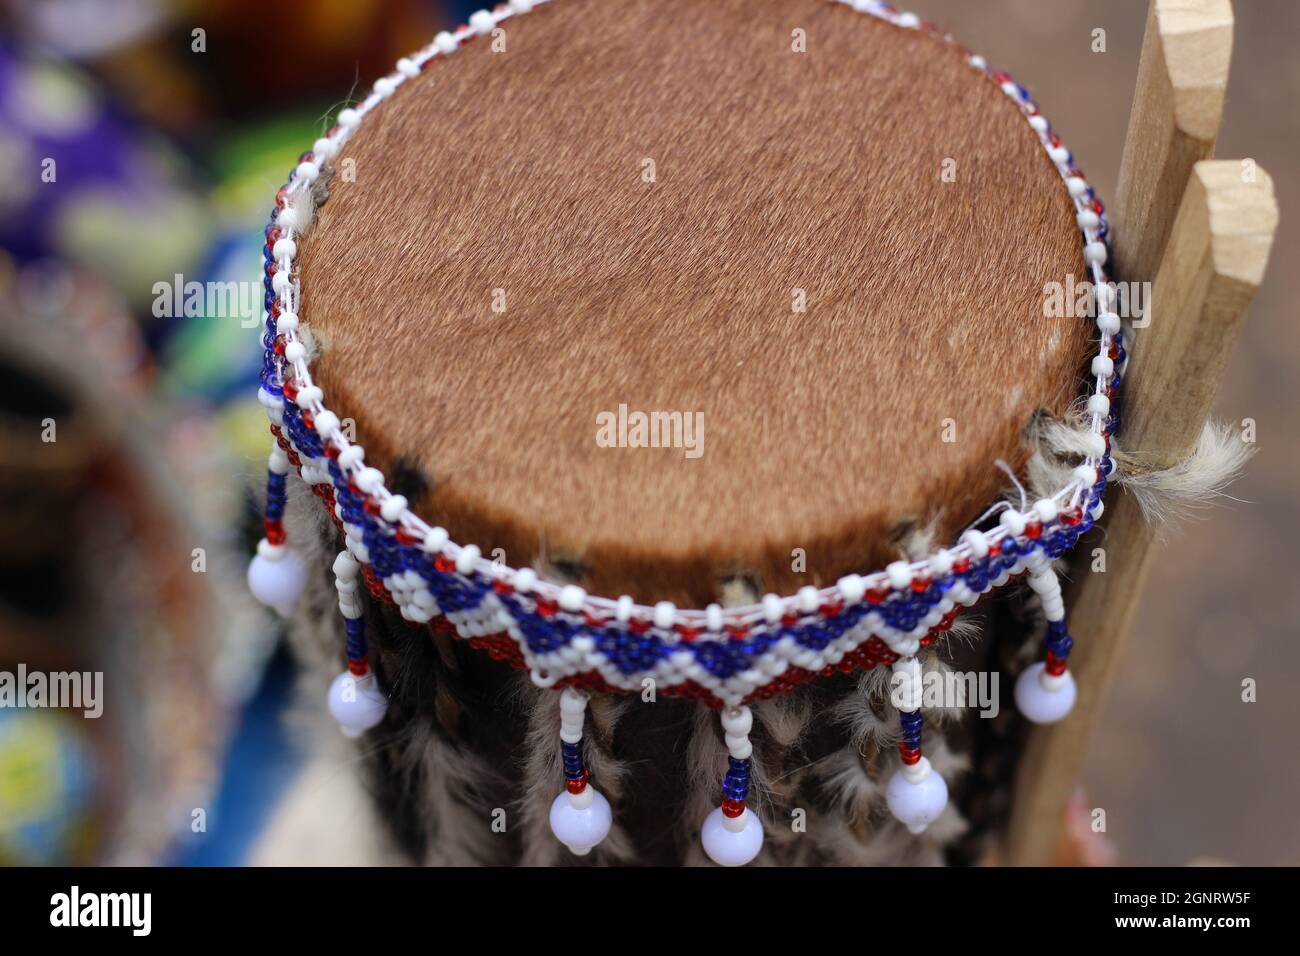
(276, 575)
(1045, 692)
(355, 700)
(732, 833)
(580, 816)
(917, 793)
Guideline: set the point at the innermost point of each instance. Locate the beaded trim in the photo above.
(567, 637)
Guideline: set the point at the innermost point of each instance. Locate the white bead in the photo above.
(385, 85)
(1045, 509)
(324, 149)
(1096, 445)
(581, 827)
(979, 546)
(1105, 293)
(1041, 698)
(326, 423)
(369, 480)
(739, 747)
(1099, 404)
(1088, 220)
(408, 67)
(1038, 123)
(1103, 366)
(1085, 475)
(1108, 322)
(916, 803)
(941, 563)
(467, 558)
(908, 20)
(521, 6)
(284, 248)
(346, 567)
(307, 171)
(482, 21)
(309, 396)
(525, 580)
(572, 702)
(809, 600)
(278, 583)
(280, 281)
(771, 608)
(1098, 510)
(623, 609)
(434, 541)
(356, 703)
(571, 597)
(737, 721)
(900, 574)
(852, 588)
(392, 508)
(1076, 186)
(713, 617)
(978, 62)
(1013, 521)
(287, 322)
(664, 613)
(1060, 155)
(732, 847)
(445, 42)
(349, 118)
(1095, 252)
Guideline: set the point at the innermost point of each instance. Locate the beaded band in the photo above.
(569, 639)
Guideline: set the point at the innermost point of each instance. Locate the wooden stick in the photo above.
(1174, 122)
(1213, 263)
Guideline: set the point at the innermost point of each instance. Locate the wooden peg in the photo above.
(1214, 261)
(1174, 122)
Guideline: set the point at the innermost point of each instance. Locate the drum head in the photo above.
(808, 247)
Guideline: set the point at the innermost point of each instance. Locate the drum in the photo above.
(669, 414)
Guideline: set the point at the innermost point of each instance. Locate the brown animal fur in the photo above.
(775, 170)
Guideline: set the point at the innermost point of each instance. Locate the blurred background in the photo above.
(141, 143)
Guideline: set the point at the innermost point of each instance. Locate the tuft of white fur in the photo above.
(1168, 494)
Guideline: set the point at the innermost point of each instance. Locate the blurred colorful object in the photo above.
(47, 775)
(81, 183)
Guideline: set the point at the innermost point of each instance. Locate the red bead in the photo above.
(738, 631)
(274, 530)
(1055, 665)
(359, 667)
(961, 565)
(877, 595)
(1033, 530)
(577, 786)
(291, 389)
(732, 808)
(546, 607)
(919, 585)
(444, 564)
(910, 755)
(403, 536)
